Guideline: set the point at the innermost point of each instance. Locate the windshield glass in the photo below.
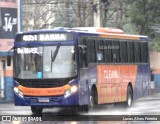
(45, 62)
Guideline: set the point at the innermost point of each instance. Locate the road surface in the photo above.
(141, 110)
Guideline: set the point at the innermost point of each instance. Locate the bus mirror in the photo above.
(9, 57)
(8, 60)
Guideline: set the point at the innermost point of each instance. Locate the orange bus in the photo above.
(79, 67)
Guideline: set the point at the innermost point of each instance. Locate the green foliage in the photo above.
(133, 16)
(141, 17)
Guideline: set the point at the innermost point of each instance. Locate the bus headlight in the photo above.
(70, 91)
(16, 89)
(74, 89)
(19, 92)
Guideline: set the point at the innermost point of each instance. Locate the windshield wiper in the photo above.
(54, 55)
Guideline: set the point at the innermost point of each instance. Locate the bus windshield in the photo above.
(45, 62)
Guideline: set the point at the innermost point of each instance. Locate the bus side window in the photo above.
(130, 48)
(123, 52)
(144, 53)
(116, 51)
(92, 51)
(107, 51)
(100, 51)
(137, 48)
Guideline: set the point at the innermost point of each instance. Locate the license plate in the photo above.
(43, 99)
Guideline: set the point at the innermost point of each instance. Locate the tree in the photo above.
(145, 14)
(133, 16)
(56, 13)
(138, 17)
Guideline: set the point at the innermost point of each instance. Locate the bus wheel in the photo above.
(129, 97)
(36, 110)
(91, 102)
(93, 99)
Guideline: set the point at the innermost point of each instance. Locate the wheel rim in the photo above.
(129, 98)
(91, 102)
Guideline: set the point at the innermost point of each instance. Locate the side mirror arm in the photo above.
(9, 57)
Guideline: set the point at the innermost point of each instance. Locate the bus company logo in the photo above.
(45, 37)
(6, 118)
(110, 74)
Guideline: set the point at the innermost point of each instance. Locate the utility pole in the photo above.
(84, 6)
(20, 18)
(79, 13)
(118, 20)
(97, 13)
(67, 13)
(89, 18)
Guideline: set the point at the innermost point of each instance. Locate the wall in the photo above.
(155, 66)
(8, 28)
(155, 59)
(6, 81)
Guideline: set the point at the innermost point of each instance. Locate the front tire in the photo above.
(93, 99)
(129, 97)
(36, 110)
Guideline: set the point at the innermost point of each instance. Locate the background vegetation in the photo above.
(133, 16)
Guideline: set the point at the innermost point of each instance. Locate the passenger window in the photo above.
(91, 51)
(144, 52)
(99, 51)
(130, 47)
(123, 51)
(137, 48)
(116, 51)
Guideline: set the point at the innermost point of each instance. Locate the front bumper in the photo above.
(55, 101)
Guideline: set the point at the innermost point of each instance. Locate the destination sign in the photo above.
(44, 37)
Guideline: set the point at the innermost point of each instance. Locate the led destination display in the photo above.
(44, 37)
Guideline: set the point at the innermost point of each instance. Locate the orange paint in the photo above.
(120, 36)
(109, 30)
(43, 91)
(113, 81)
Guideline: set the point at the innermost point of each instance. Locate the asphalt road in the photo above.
(145, 110)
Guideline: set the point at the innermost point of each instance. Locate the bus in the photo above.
(79, 67)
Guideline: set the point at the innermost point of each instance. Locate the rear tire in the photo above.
(36, 110)
(129, 97)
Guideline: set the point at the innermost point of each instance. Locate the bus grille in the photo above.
(43, 83)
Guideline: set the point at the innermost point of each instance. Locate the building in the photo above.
(8, 28)
(155, 70)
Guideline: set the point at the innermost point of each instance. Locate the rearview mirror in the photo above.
(8, 60)
(9, 57)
